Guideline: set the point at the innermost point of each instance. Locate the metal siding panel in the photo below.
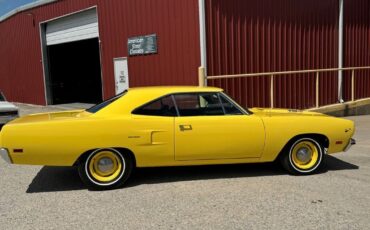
(274, 36)
(75, 27)
(356, 46)
(71, 35)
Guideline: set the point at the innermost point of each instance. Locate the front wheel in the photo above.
(304, 157)
(105, 169)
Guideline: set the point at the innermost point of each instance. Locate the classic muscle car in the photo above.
(172, 126)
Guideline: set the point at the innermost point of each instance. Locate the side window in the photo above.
(162, 107)
(230, 109)
(203, 104)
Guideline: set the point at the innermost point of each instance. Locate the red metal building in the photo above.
(22, 73)
(41, 64)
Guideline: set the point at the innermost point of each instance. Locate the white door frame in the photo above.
(114, 71)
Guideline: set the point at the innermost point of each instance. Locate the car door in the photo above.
(153, 134)
(208, 129)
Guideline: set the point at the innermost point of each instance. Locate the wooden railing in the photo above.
(203, 78)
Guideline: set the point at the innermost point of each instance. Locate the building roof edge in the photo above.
(24, 8)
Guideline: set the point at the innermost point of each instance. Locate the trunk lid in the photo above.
(42, 117)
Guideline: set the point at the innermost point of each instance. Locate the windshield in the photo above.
(102, 105)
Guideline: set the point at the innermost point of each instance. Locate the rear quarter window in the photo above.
(164, 107)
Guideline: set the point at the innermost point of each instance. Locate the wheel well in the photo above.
(322, 139)
(129, 153)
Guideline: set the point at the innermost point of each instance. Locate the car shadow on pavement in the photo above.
(208, 172)
(333, 163)
(53, 179)
(174, 174)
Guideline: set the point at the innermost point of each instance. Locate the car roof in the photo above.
(175, 89)
(136, 97)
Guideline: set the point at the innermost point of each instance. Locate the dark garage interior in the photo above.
(74, 72)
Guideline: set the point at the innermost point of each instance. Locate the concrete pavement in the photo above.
(254, 196)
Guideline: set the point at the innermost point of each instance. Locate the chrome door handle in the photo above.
(185, 127)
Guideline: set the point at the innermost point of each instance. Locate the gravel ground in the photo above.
(254, 196)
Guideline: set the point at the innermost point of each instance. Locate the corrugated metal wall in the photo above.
(250, 36)
(20, 66)
(177, 27)
(175, 23)
(357, 46)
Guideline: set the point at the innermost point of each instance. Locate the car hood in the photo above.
(283, 112)
(41, 117)
(7, 106)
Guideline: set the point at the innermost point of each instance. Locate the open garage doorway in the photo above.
(71, 55)
(74, 72)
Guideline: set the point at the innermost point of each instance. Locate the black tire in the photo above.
(88, 169)
(290, 159)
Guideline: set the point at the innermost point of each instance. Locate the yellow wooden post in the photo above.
(353, 85)
(317, 90)
(272, 90)
(201, 76)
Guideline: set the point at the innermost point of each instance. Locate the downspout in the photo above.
(340, 51)
(202, 35)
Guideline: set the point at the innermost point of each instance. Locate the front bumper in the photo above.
(5, 155)
(349, 145)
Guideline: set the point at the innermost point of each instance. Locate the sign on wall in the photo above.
(142, 45)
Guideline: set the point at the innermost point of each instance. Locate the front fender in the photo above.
(279, 131)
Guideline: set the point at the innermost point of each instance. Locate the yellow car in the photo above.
(171, 126)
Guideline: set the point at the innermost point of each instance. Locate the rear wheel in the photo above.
(105, 169)
(305, 156)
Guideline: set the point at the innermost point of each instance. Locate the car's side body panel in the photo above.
(219, 137)
(61, 142)
(151, 139)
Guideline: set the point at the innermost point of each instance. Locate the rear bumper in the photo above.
(349, 145)
(5, 155)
